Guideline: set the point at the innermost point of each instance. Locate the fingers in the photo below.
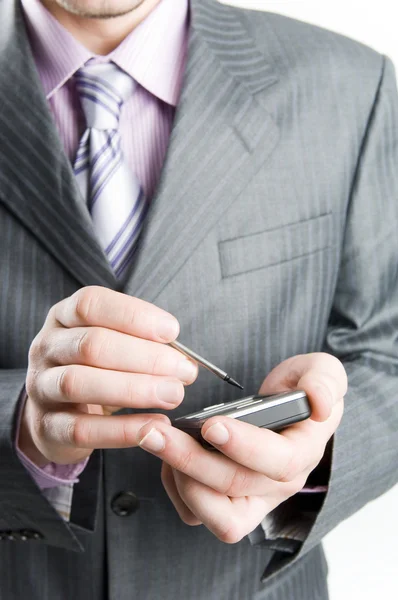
(88, 385)
(214, 470)
(229, 519)
(187, 516)
(324, 391)
(108, 349)
(288, 456)
(320, 375)
(252, 459)
(76, 430)
(101, 350)
(100, 307)
(262, 450)
(304, 433)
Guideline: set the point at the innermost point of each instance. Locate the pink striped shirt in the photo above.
(154, 54)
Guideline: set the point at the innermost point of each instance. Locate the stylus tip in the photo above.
(233, 382)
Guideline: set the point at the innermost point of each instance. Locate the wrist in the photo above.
(25, 441)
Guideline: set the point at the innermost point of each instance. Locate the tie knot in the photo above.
(102, 89)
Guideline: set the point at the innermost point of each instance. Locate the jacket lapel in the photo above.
(220, 139)
(36, 181)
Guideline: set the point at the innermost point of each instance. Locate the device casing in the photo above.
(273, 412)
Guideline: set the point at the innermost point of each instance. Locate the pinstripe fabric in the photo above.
(278, 197)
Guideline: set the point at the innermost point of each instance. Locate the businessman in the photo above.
(173, 169)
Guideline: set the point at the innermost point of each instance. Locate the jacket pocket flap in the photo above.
(275, 246)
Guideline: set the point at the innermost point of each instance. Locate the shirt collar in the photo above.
(153, 54)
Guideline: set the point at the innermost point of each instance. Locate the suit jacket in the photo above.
(273, 233)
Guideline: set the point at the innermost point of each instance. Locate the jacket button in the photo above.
(125, 504)
(27, 534)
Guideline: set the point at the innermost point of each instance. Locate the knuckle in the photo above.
(293, 487)
(157, 364)
(335, 370)
(291, 467)
(138, 391)
(38, 348)
(86, 305)
(333, 360)
(184, 461)
(126, 436)
(41, 388)
(251, 453)
(131, 316)
(32, 417)
(67, 383)
(77, 432)
(292, 377)
(188, 489)
(133, 392)
(31, 383)
(52, 313)
(43, 424)
(231, 535)
(238, 484)
(90, 345)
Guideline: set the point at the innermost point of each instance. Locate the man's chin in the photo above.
(99, 9)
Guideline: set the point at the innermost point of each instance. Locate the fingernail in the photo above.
(168, 329)
(153, 441)
(186, 371)
(217, 434)
(169, 391)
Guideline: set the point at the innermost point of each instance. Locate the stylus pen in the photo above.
(205, 363)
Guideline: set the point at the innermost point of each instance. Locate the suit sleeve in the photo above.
(363, 331)
(55, 481)
(25, 512)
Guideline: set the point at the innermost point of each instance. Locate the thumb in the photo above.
(322, 376)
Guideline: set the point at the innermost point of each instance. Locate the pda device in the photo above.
(273, 412)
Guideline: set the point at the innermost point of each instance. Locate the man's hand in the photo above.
(97, 352)
(231, 491)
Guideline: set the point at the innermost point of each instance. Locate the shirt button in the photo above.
(125, 504)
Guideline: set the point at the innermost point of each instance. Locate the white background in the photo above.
(363, 551)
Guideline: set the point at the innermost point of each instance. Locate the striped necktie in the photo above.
(113, 193)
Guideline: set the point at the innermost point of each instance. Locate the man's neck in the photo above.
(100, 36)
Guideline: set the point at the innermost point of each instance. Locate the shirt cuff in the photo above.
(288, 525)
(318, 489)
(61, 499)
(51, 475)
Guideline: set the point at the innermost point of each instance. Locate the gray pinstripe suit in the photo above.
(273, 232)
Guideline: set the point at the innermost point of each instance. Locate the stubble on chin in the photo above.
(104, 10)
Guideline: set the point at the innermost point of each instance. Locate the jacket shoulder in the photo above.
(292, 44)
